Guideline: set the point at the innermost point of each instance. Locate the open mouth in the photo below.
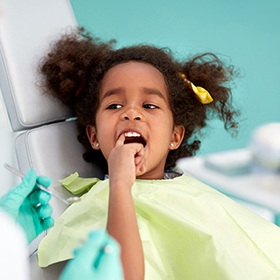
(134, 137)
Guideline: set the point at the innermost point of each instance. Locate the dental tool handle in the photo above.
(52, 193)
(21, 175)
(14, 170)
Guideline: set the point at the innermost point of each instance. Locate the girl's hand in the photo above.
(125, 161)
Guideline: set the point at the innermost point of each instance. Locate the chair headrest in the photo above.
(20, 53)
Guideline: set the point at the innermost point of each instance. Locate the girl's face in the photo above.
(134, 103)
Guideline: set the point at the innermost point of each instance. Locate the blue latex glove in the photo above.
(29, 205)
(98, 258)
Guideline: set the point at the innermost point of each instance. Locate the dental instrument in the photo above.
(67, 201)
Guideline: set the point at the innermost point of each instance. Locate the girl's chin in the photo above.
(150, 175)
(140, 174)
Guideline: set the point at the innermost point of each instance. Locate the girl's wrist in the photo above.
(120, 188)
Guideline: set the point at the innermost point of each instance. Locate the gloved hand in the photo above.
(29, 205)
(98, 258)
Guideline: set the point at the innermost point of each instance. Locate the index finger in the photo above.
(44, 181)
(120, 141)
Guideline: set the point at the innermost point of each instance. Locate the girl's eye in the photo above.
(114, 106)
(150, 106)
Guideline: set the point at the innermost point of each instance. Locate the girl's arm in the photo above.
(124, 162)
(122, 225)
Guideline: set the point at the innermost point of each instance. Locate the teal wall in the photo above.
(244, 31)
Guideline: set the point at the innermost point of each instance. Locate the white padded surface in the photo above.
(26, 30)
(54, 150)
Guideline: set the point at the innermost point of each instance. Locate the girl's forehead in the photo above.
(131, 77)
(136, 67)
(134, 72)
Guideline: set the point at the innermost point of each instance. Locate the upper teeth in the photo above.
(132, 134)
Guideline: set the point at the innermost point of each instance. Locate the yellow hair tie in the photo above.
(201, 93)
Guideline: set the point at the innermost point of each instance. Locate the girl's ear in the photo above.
(92, 137)
(177, 137)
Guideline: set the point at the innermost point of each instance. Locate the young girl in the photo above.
(139, 110)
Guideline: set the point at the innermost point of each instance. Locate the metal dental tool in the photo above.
(67, 201)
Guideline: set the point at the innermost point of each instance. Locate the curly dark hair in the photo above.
(75, 66)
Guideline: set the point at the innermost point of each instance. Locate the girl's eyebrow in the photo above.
(148, 91)
(111, 92)
(153, 91)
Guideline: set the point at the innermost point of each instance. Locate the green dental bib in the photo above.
(188, 231)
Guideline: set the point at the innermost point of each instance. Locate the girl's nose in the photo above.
(132, 114)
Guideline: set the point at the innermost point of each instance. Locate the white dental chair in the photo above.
(45, 133)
